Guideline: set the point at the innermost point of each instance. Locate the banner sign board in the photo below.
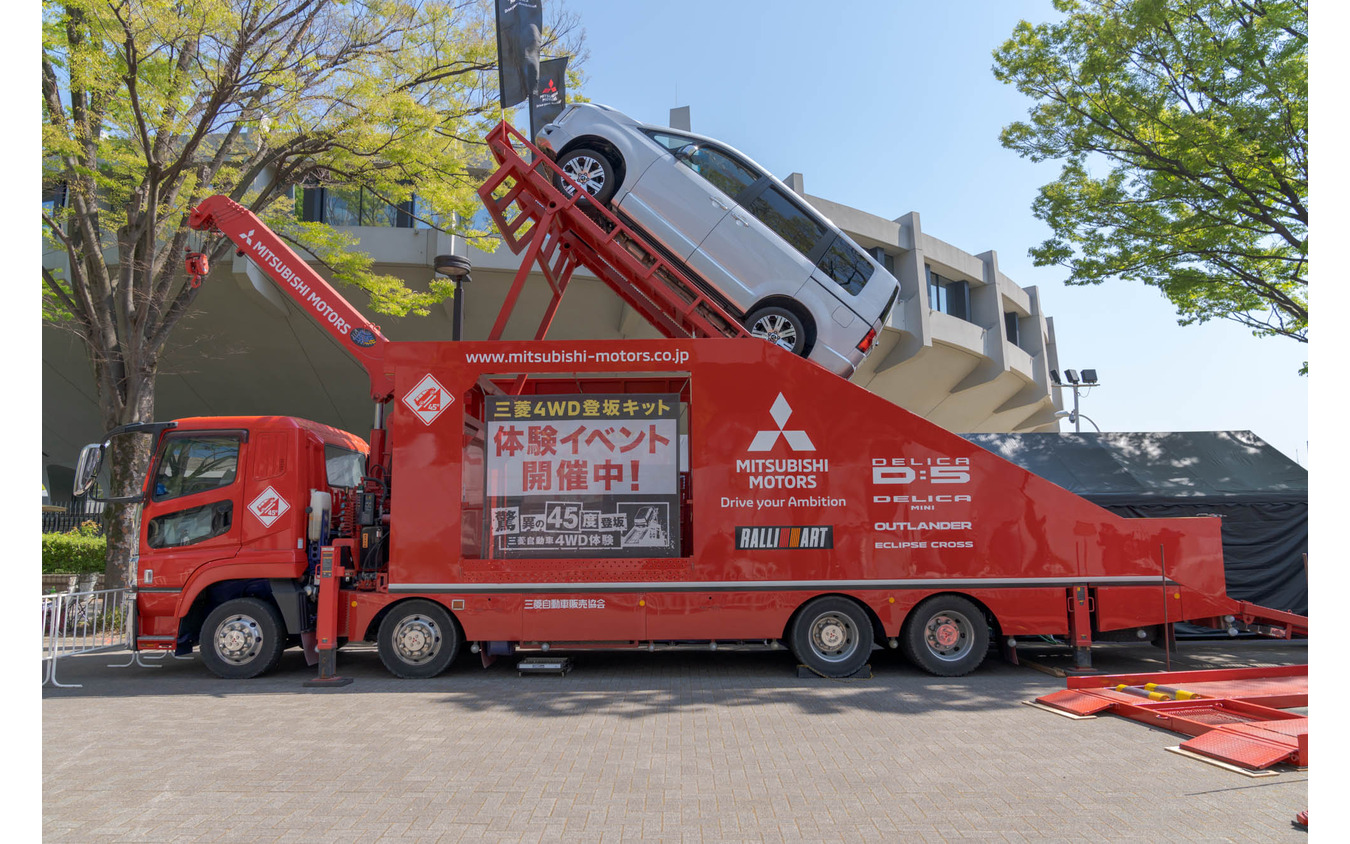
(590, 475)
(520, 28)
(548, 99)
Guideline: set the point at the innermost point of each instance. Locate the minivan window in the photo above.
(846, 265)
(726, 174)
(670, 142)
(774, 209)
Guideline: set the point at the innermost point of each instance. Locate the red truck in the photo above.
(705, 488)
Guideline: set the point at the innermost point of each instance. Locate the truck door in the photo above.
(191, 514)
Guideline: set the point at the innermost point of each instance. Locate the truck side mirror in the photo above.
(86, 470)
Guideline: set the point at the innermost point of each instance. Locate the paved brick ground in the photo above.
(683, 746)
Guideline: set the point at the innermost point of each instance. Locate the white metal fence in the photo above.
(84, 623)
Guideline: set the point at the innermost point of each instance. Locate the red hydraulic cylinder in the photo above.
(1080, 626)
(330, 587)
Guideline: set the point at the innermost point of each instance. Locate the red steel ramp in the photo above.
(1235, 716)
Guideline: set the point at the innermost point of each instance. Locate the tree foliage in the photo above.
(1183, 127)
(149, 106)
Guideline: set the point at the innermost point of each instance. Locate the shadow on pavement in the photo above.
(633, 684)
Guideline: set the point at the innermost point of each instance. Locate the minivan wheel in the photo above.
(596, 174)
(780, 326)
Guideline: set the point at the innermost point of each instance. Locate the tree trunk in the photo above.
(129, 459)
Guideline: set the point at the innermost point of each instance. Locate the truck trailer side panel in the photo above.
(802, 484)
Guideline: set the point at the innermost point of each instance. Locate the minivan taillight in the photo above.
(867, 341)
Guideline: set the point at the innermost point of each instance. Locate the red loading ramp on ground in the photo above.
(1235, 716)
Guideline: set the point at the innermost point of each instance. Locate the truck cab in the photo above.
(225, 557)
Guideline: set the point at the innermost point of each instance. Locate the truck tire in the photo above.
(946, 635)
(418, 639)
(832, 636)
(779, 326)
(242, 639)
(596, 174)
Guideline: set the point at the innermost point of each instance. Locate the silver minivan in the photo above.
(769, 258)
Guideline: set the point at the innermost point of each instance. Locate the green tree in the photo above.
(1183, 127)
(150, 106)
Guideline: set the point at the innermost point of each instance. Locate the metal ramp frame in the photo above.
(1234, 716)
(560, 233)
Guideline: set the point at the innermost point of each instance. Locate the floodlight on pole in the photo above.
(458, 269)
(1088, 379)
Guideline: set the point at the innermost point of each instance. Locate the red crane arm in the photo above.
(316, 297)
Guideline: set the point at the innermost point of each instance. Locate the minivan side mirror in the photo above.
(686, 152)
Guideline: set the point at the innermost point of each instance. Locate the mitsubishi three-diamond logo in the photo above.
(796, 440)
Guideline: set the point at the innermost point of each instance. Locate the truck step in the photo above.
(558, 665)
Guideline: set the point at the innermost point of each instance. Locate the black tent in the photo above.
(1261, 494)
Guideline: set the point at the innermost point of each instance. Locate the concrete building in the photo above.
(965, 346)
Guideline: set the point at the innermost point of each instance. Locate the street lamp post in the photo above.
(1088, 379)
(457, 268)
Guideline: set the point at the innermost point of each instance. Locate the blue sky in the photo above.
(891, 107)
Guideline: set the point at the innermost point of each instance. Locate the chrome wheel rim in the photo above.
(834, 637)
(239, 639)
(585, 171)
(777, 329)
(417, 639)
(949, 635)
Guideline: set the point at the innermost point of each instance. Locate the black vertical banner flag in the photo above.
(551, 95)
(520, 34)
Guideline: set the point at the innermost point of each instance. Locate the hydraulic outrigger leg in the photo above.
(330, 580)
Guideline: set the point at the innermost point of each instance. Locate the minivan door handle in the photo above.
(718, 203)
(739, 220)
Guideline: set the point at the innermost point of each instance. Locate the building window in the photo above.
(480, 221)
(884, 258)
(948, 295)
(344, 206)
(1011, 321)
(53, 197)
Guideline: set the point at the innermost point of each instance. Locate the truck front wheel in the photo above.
(242, 638)
(832, 636)
(418, 639)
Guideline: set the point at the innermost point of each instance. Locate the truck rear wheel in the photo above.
(832, 636)
(242, 638)
(946, 635)
(418, 639)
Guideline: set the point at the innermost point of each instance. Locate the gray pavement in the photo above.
(677, 746)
